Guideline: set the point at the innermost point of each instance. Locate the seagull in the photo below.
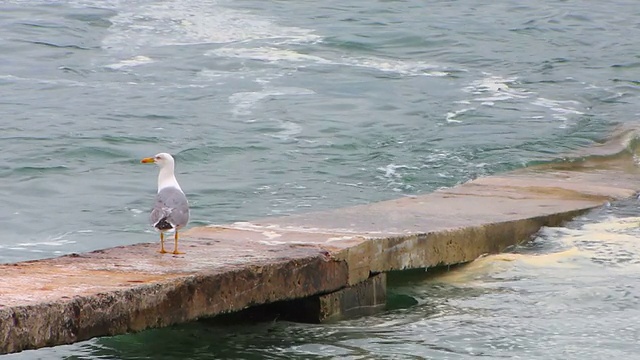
(171, 210)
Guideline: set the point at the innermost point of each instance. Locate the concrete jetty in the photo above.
(328, 264)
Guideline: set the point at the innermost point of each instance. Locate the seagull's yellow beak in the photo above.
(147, 160)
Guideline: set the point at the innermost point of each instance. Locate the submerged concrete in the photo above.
(231, 267)
(365, 298)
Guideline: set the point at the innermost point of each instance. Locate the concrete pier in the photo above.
(333, 260)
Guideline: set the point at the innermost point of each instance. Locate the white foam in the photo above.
(394, 177)
(390, 170)
(607, 241)
(496, 88)
(562, 108)
(274, 54)
(493, 89)
(359, 184)
(451, 116)
(267, 54)
(245, 101)
(401, 67)
(487, 91)
(131, 62)
(42, 81)
(289, 130)
(153, 24)
(54, 241)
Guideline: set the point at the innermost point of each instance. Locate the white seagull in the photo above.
(171, 211)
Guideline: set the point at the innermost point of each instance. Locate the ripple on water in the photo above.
(97, 152)
(38, 171)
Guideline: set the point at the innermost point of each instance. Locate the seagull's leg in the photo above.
(162, 250)
(175, 245)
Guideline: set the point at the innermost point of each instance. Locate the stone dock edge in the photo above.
(328, 265)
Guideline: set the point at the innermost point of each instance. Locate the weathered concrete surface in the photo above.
(231, 267)
(124, 289)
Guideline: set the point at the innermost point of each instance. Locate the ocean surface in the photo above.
(279, 107)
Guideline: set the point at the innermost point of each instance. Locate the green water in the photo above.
(276, 107)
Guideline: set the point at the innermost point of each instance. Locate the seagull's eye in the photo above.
(157, 157)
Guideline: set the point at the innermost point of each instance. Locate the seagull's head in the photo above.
(161, 159)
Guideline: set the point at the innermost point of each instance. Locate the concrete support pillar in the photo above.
(362, 299)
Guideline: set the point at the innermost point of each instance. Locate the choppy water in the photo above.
(279, 107)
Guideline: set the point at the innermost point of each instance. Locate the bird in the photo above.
(171, 210)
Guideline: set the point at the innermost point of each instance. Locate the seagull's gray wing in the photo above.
(171, 210)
